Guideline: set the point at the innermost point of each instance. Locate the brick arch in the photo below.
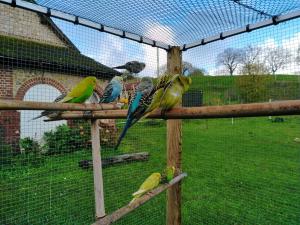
(35, 81)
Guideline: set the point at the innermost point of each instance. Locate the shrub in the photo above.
(6, 154)
(253, 88)
(65, 139)
(28, 145)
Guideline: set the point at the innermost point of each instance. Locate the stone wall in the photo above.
(27, 25)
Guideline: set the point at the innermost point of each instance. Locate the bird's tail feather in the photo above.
(132, 201)
(122, 135)
(138, 193)
(37, 117)
(119, 67)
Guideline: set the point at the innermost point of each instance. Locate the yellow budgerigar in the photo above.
(150, 183)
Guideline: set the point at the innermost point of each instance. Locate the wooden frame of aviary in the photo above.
(97, 111)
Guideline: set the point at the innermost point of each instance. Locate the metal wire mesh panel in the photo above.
(46, 167)
(175, 22)
(244, 170)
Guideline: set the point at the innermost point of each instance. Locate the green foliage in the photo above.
(6, 154)
(253, 88)
(28, 145)
(65, 139)
(198, 72)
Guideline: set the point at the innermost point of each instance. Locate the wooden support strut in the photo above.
(174, 139)
(288, 107)
(97, 170)
(118, 214)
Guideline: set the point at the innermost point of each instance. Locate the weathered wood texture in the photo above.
(289, 107)
(28, 105)
(97, 170)
(174, 137)
(118, 214)
(110, 161)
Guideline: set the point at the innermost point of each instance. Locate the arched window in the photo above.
(36, 128)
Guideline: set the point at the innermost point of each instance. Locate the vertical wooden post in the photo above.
(174, 66)
(97, 170)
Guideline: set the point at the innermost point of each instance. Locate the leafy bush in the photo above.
(28, 145)
(6, 154)
(65, 139)
(253, 88)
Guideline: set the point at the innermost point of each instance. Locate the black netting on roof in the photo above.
(175, 22)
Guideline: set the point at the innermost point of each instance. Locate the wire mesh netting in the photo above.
(175, 22)
(244, 170)
(240, 171)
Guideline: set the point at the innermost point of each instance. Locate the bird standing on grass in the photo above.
(169, 92)
(138, 105)
(113, 90)
(132, 67)
(150, 183)
(79, 94)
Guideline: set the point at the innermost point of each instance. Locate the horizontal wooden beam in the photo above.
(28, 105)
(118, 214)
(118, 159)
(290, 107)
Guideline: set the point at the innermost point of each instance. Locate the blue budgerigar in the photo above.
(138, 105)
(113, 90)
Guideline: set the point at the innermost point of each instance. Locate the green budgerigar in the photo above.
(79, 94)
(150, 183)
(169, 92)
(168, 174)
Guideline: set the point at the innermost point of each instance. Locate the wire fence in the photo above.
(240, 171)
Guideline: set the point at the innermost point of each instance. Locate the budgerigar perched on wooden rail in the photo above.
(132, 67)
(150, 183)
(79, 94)
(113, 90)
(169, 92)
(138, 105)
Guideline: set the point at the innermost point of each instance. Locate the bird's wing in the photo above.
(139, 192)
(60, 97)
(107, 92)
(168, 85)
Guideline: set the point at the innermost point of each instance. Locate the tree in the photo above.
(230, 58)
(187, 68)
(252, 61)
(199, 72)
(277, 58)
(298, 55)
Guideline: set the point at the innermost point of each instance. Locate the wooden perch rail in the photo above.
(118, 214)
(110, 161)
(28, 105)
(290, 107)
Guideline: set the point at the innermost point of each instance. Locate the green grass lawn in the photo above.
(242, 173)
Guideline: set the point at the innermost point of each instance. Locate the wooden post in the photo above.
(174, 64)
(97, 170)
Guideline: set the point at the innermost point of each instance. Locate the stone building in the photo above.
(33, 50)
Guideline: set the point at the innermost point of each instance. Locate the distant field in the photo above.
(241, 173)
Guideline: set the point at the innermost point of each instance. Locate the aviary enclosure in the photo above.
(235, 142)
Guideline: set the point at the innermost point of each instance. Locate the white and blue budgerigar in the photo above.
(113, 90)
